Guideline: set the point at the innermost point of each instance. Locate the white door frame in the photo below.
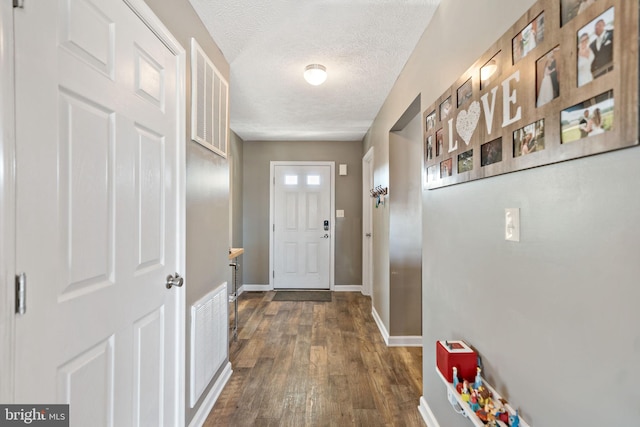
(7, 202)
(367, 224)
(332, 208)
(7, 196)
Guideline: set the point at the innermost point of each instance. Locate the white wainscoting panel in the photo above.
(209, 340)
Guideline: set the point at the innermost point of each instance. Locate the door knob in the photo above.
(368, 234)
(326, 236)
(174, 281)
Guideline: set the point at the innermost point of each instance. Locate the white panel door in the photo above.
(97, 213)
(302, 204)
(367, 223)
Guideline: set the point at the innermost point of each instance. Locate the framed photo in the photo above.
(591, 117)
(445, 168)
(465, 161)
(489, 71)
(491, 152)
(433, 173)
(439, 142)
(445, 109)
(464, 92)
(548, 77)
(431, 121)
(595, 48)
(529, 139)
(527, 39)
(429, 148)
(569, 9)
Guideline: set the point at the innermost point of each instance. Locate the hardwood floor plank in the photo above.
(302, 363)
(368, 418)
(342, 411)
(274, 395)
(260, 379)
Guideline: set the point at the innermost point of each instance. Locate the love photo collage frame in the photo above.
(557, 86)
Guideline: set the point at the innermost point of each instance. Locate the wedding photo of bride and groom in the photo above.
(595, 48)
(589, 118)
(529, 139)
(548, 74)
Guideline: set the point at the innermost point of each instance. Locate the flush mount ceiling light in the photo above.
(315, 74)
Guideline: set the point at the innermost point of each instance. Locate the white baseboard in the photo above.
(427, 413)
(381, 327)
(210, 400)
(395, 341)
(347, 288)
(253, 288)
(405, 341)
(263, 288)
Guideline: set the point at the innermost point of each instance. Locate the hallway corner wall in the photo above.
(405, 230)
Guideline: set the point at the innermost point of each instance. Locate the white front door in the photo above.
(303, 227)
(97, 214)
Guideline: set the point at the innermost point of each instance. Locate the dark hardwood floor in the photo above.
(317, 364)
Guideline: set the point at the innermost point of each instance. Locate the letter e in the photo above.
(509, 98)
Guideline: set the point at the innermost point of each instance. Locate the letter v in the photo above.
(488, 111)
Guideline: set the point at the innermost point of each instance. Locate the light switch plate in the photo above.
(339, 213)
(512, 224)
(343, 169)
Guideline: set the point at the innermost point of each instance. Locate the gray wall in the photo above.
(256, 170)
(235, 173)
(554, 317)
(564, 298)
(207, 192)
(405, 230)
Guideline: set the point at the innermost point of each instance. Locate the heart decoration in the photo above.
(467, 121)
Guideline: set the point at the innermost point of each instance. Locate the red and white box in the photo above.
(450, 354)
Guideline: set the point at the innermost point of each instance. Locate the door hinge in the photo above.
(273, 274)
(274, 227)
(21, 293)
(18, 3)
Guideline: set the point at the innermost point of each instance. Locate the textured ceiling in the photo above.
(363, 43)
